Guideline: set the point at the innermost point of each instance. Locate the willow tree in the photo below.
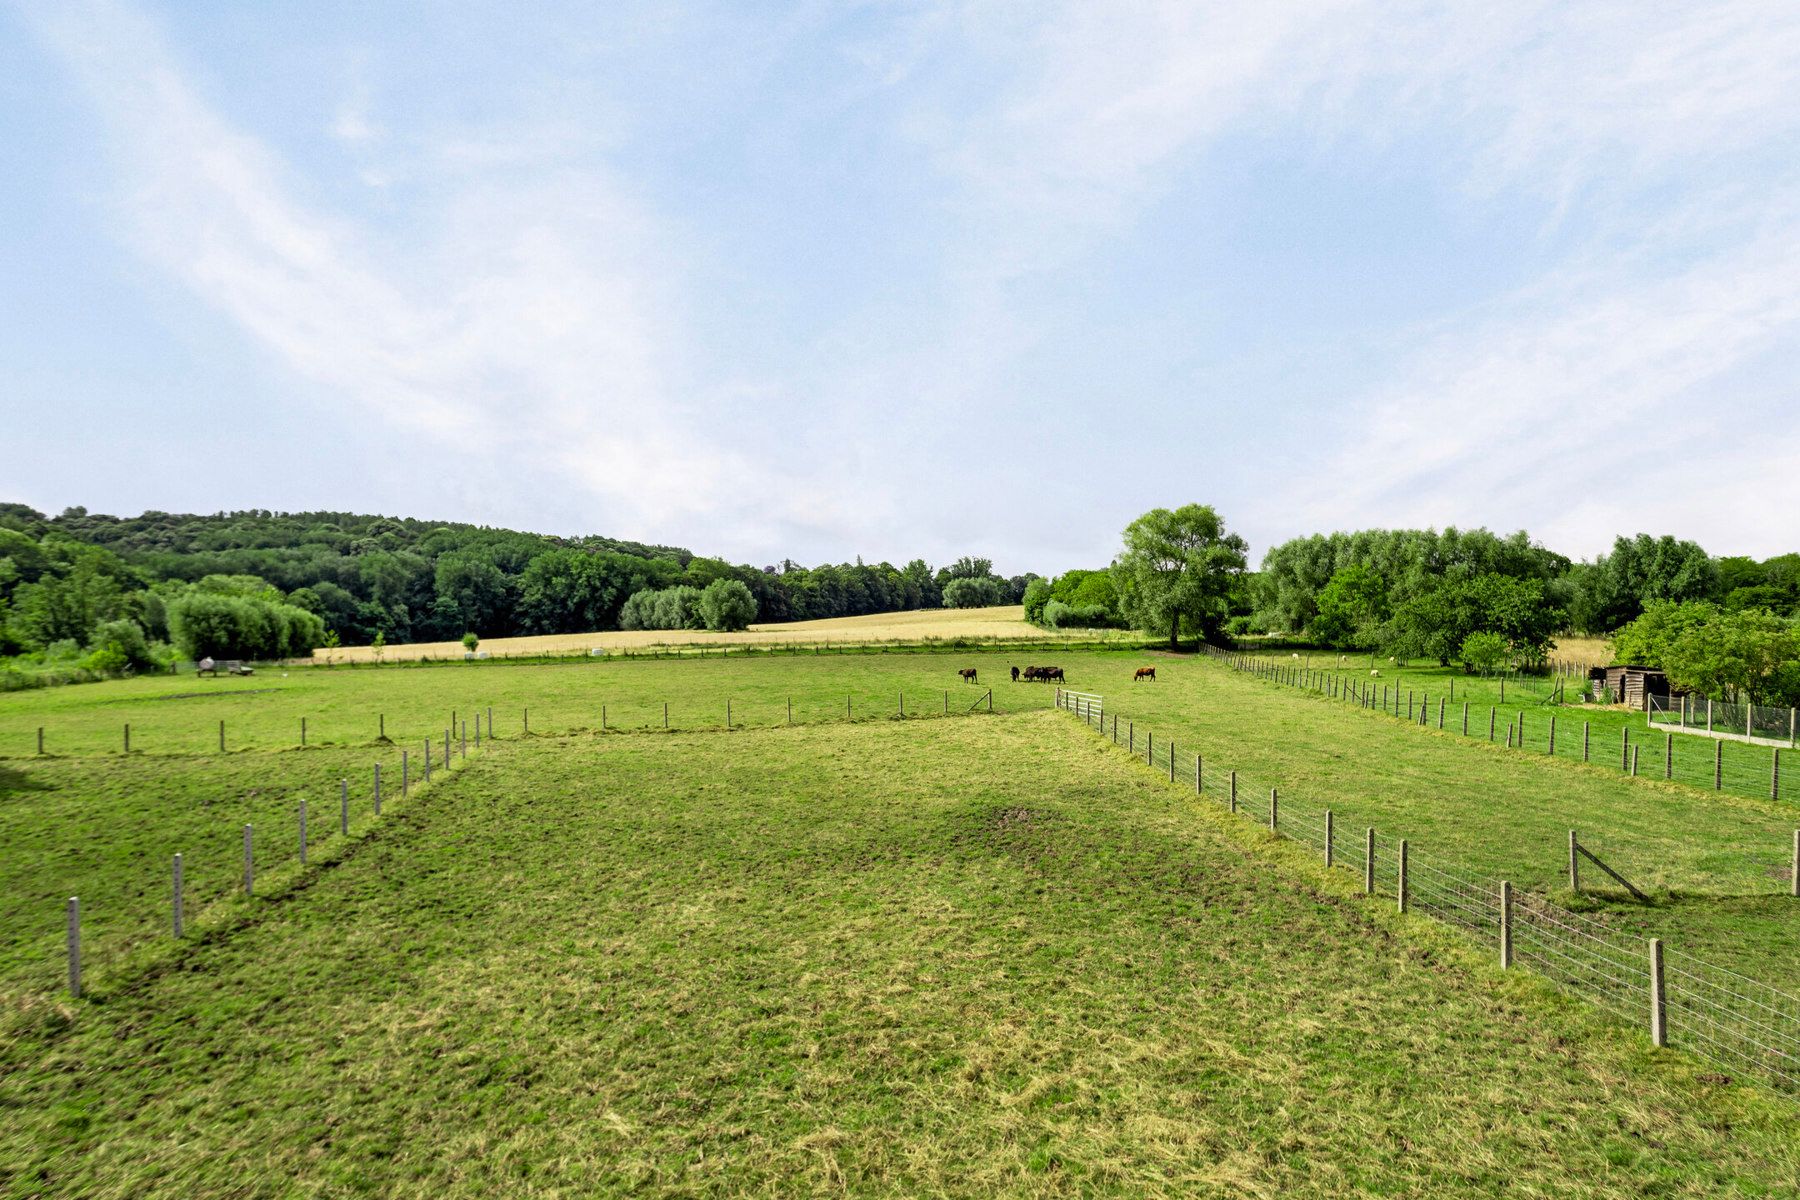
(1178, 567)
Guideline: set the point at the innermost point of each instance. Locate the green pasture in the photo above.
(986, 956)
(1715, 865)
(1518, 711)
(88, 819)
(354, 706)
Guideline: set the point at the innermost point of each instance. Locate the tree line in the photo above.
(1484, 600)
(261, 584)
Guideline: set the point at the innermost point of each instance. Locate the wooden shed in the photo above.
(1632, 685)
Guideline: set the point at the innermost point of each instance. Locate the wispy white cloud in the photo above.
(1669, 128)
(535, 323)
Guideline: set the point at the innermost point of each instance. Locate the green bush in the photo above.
(727, 605)
(1037, 595)
(119, 646)
(209, 624)
(974, 593)
(1058, 615)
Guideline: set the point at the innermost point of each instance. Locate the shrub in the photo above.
(119, 646)
(974, 593)
(727, 605)
(1483, 651)
(639, 610)
(207, 624)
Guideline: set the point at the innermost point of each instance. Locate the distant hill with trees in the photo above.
(85, 593)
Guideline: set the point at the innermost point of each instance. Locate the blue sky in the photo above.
(910, 279)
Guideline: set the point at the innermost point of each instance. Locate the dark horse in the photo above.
(1015, 674)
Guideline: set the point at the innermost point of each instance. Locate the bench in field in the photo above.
(230, 666)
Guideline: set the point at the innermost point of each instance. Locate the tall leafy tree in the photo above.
(1177, 570)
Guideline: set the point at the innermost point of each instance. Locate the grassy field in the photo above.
(971, 957)
(1715, 865)
(1002, 624)
(1518, 713)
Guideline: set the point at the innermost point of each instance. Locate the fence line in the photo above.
(1749, 769)
(443, 750)
(1763, 723)
(1715, 1013)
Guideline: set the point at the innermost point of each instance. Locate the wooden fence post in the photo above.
(175, 898)
(1234, 791)
(221, 737)
(1625, 748)
(1775, 772)
(1328, 838)
(1552, 750)
(1197, 775)
(1506, 924)
(74, 941)
(1401, 896)
(1794, 874)
(1465, 718)
(1369, 861)
(128, 737)
(1634, 761)
(303, 731)
(1668, 755)
(1718, 765)
(1491, 719)
(41, 737)
(1171, 762)
(380, 726)
(1585, 740)
(1440, 712)
(1274, 809)
(1574, 869)
(1659, 1012)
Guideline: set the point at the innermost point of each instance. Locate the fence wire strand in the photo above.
(1718, 1014)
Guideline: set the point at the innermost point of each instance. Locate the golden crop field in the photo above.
(1003, 623)
(1584, 651)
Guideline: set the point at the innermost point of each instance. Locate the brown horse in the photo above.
(1145, 673)
(968, 674)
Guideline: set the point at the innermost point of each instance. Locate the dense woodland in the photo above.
(260, 584)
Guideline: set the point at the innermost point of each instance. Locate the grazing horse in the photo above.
(968, 674)
(1145, 673)
(1015, 674)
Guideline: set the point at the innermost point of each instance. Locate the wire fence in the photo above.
(1725, 719)
(1728, 764)
(204, 891)
(1729, 1019)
